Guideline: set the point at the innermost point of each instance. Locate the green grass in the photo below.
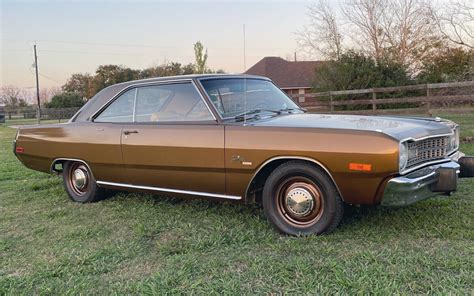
(134, 243)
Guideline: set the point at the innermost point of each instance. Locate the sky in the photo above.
(77, 36)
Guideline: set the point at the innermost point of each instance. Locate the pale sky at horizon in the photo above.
(78, 36)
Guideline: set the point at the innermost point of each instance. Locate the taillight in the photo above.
(19, 149)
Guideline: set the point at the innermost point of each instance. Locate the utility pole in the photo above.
(38, 111)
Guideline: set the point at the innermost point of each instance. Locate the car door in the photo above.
(102, 150)
(174, 141)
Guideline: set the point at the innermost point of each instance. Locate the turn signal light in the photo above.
(360, 167)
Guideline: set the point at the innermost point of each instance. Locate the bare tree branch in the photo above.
(401, 30)
(456, 22)
(322, 35)
(410, 31)
(367, 19)
(12, 96)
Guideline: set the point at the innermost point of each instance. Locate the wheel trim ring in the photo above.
(310, 186)
(80, 187)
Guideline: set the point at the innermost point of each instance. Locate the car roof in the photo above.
(189, 77)
(104, 96)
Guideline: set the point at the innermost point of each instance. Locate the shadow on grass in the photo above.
(371, 218)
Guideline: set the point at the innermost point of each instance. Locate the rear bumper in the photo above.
(427, 182)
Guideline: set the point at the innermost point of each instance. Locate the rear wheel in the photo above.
(80, 183)
(300, 198)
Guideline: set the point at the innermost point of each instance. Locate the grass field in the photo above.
(134, 243)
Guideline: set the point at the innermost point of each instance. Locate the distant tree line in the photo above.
(82, 86)
(87, 85)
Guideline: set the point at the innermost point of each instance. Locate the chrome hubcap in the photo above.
(299, 202)
(79, 178)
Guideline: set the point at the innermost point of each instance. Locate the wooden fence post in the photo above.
(331, 101)
(428, 94)
(374, 97)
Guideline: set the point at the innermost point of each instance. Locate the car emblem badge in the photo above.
(241, 159)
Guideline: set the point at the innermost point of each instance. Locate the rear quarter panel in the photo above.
(96, 144)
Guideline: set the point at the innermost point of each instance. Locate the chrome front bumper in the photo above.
(423, 183)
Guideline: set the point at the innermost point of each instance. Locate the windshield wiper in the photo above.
(293, 109)
(255, 113)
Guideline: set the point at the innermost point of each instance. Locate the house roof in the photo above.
(286, 74)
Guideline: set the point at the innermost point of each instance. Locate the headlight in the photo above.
(402, 156)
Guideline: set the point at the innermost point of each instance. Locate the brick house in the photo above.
(293, 78)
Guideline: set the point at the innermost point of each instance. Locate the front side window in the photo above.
(159, 103)
(233, 96)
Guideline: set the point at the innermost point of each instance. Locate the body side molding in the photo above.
(206, 194)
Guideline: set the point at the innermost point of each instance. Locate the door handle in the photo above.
(130, 132)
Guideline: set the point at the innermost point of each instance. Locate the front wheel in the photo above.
(300, 199)
(79, 183)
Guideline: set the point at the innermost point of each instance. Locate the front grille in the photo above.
(427, 150)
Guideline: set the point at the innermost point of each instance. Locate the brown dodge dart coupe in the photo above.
(240, 138)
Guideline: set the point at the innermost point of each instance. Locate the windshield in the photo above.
(229, 98)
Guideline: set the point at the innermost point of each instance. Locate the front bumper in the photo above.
(426, 182)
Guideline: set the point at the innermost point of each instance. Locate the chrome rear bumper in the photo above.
(424, 183)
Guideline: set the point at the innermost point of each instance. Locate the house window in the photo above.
(301, 99)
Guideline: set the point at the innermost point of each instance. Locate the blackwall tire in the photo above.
(80, 184)
(299, 198)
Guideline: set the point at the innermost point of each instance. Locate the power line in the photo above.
(75, 42)
(89, 52)
(52, 79)
(107, 44)
(25, 87)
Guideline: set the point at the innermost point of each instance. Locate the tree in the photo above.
(355, 70)
(12, 97)
(367, 19)
(401, 30)
(447, 65)
(322, 36)
(410, 32)
(201, 57)
(65, 100)
(87, 85)
(167, 69)
(107, 75)
(47, 93)
(455, 21)
(81, 84)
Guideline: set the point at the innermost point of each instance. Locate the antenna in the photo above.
(245, 81)
(245, 62)
(38, 110)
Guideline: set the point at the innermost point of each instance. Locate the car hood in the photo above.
(397, 127)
